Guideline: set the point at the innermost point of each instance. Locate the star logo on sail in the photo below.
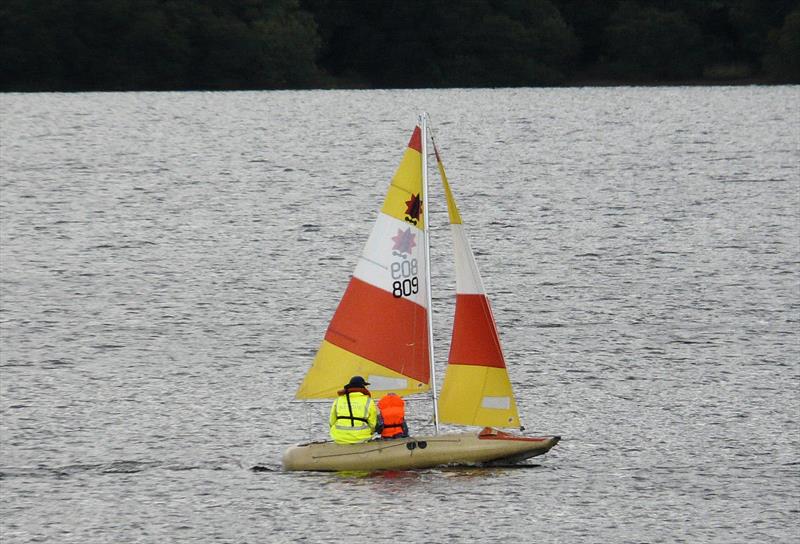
(413, 209)
(405, 241)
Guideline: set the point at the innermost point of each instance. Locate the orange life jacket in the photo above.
(393, 412)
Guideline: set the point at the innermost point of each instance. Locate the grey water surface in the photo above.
(169, 263)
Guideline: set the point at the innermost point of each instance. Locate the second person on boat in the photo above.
(392, 417)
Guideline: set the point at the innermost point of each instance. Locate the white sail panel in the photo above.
(468, 278)
(393, 259)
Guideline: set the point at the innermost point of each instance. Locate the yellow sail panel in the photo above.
(404, 199)
(477, 395)
(333, 367)
(452, 209)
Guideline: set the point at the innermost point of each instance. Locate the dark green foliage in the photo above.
(402, 43)
(156, 44)
(782, 59)
(648, 44)
(276, 44)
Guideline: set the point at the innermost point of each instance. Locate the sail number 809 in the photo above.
(405, 275)
(405, 288)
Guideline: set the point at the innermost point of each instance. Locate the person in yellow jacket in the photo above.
(354, 416)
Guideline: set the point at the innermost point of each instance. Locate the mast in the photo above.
(423, 123)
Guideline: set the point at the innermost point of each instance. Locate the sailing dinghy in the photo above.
(382, 330)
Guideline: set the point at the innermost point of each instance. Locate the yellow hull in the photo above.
(417, 452)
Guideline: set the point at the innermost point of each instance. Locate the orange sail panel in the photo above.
(376, 325)
(379, 329)
(475, 340)
(476, 388)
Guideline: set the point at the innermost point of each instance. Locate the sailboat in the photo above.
(383, 330)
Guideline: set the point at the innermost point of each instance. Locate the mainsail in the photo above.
(476, 388)
(380, 328)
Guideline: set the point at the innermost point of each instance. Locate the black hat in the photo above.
(357, 381)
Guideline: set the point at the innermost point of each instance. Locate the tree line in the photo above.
(66, 45)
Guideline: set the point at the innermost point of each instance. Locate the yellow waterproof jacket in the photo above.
(354, 422)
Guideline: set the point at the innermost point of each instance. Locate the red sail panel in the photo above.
(416, 140)
(390, 331)
(475, 340)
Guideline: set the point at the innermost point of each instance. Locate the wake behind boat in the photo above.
(383, 329)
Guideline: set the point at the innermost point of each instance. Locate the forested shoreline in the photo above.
(85, 45)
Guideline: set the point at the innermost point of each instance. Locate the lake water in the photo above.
(169, 263)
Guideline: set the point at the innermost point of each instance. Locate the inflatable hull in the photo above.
(470, 449)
